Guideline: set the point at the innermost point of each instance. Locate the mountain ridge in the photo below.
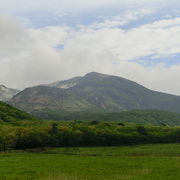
(7, 93)
(94, 92)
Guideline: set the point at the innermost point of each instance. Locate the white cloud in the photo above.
(80, 5)
(122, 19)
(12, 35)
(29, 56)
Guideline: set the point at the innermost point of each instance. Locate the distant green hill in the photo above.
(155, 117)
(10, 114)
(92, 93)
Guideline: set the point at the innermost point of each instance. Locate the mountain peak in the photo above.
(7, 93)
(96, 74)
(95, 92)
(3, 87)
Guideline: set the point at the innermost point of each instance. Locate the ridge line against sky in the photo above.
(43, 41)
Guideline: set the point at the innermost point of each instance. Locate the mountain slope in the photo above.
(94, 92)
(10, 114)
(42, 97)
(7, 93)
(122, 94)
(66, 84)
(155, 117)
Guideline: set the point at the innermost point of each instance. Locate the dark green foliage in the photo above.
(94, 122)
(163, 124)
(75, 133)
(54, 128)
(121, 124)
(142, 130)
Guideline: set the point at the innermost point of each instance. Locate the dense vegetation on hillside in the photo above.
(155, 117)
(19, 130)
(11, 114)
(76, 133)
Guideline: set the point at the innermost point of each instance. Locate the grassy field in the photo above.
(145, 162)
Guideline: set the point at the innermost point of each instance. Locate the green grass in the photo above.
(145, 162)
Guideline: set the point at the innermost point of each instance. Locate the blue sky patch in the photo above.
(149, 61)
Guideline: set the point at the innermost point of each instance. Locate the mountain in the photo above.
(66, 84)
(11, 114)
(7, 93)
(94, 92)
(43, 97)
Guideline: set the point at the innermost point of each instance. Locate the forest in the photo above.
(79, 134)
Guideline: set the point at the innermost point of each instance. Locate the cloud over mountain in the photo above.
(31, 56)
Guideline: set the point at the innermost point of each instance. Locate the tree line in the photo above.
(76, 134)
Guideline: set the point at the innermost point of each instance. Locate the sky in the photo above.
(43, 41)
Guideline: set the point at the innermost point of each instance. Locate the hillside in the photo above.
(154, 117)
(43, 98)
(94, 92)
(10, 114)
(7, 93)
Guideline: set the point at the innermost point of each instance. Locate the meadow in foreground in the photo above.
(143, 162)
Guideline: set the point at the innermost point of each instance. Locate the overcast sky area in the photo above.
(43, 41)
